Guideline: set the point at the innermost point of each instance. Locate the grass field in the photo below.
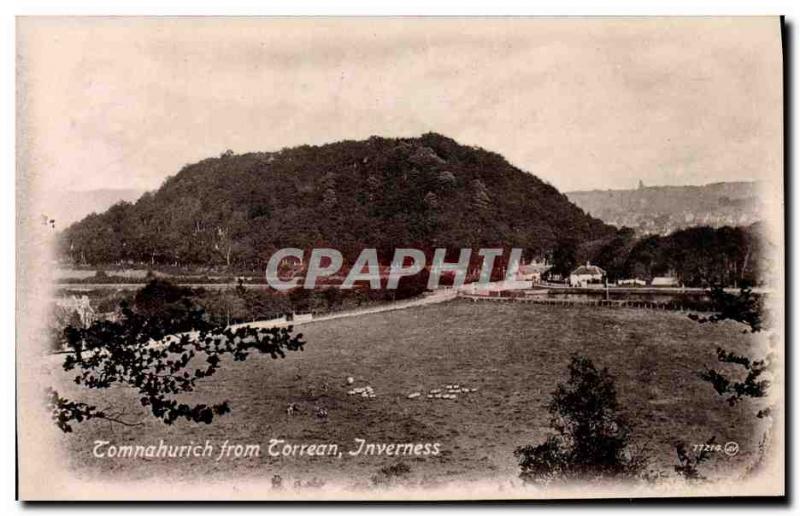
(513, 354)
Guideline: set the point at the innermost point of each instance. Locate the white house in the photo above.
(586, 274)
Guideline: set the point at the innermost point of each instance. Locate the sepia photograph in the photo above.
(400, 258)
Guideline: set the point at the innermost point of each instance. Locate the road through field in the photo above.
(437, 296)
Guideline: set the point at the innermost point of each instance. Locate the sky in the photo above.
(583, 103)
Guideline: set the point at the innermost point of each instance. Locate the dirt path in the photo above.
(437, 296)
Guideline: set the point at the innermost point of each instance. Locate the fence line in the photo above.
(613, 303)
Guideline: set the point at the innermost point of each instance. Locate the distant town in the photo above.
(661, 210)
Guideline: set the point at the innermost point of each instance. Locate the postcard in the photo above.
(321, 258)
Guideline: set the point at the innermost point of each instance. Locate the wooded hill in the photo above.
(236, 210)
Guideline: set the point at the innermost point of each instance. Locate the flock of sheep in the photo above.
(365, 392)
(449, 391)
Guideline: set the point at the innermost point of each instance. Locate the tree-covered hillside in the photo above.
(426, 192)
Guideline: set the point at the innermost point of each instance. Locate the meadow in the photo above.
(512, 355)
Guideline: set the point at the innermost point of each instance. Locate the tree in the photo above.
(226, 306)
(565, 257)
(160, 297)
(752, 386)
(745, 308)
(159, 358)
(591, 435)
(613, 254)
(481, 199)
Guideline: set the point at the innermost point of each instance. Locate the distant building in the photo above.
(664, 281)
(532, 272)
(586, 274)
(633, 282)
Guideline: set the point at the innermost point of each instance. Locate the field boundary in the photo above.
(612, 303)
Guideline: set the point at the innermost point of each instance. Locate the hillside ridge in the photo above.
(385, 193)
(665, 209)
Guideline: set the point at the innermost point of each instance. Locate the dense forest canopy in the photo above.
(426, 192)
(697, 257)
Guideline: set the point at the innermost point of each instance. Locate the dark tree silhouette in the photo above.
(591, 435)
(745, 308)
(565, 257)
(160, 358)
(752, 386)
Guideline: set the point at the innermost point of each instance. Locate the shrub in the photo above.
(591, 436)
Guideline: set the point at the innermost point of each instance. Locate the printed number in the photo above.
(699, 448)
(730, 448)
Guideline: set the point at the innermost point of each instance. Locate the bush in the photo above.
(591, 435)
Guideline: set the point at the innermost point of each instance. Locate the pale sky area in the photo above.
(581, 103)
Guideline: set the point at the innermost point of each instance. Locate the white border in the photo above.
(407, 7)
(10, 9)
